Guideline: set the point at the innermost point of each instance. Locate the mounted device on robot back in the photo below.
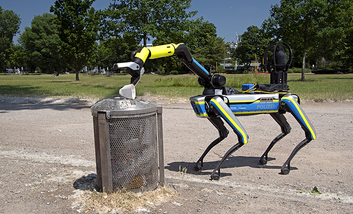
(278, 69)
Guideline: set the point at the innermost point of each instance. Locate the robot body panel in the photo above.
(247, 104)
(241, 104)
(198, 103)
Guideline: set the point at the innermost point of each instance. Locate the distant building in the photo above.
(227, 65)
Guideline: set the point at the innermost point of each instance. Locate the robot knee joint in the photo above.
(224, 133)
(286, 129)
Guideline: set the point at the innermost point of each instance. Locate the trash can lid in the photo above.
(123, 106)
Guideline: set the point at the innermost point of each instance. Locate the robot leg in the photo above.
(224, 111)
(306, 125)
(285, 127)
(223, 133)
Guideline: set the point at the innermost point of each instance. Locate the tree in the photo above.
(9, 26)
(269, 29)
(316, 29)
(252, 42)
(43, 44)
(78, 30)
(299, 22)
(18, 56)
(142, 19)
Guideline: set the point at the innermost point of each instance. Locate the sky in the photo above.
(231, 17)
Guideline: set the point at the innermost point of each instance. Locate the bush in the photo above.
(298, 70)
(221, 69)
(240, 70)
(161, 71)
(174, 72)
(331, 71)
(334, 66)
(231, 71)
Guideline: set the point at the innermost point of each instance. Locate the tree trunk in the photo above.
(303, 67)
(304, 52)
(145, 34)
(77, 76)
(144, 40)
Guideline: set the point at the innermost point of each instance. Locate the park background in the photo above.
(42, 141)
(74, 36)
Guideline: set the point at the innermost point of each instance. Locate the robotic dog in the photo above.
(221, 102)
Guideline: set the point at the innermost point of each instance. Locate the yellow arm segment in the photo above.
(157, 52)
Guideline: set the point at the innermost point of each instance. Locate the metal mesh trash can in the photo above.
(128, 144)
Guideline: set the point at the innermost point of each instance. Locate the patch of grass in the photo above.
(315, 191)
(126, 201)
(182, 171)
(63, 86)
(319, 88)
(236, 80)
(176, 81)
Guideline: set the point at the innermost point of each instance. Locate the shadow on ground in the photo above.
(86, 182)
(231, 162)
(55, 104)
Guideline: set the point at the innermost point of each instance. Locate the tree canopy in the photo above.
(9, 26)
(115, 49)
(197, 31)
(207, 48)
(144, 19)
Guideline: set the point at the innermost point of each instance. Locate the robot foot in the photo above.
(263, 161)
(285, 170)
(216, 175)
(198, 166)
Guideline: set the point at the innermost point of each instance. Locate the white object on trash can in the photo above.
(128, 91)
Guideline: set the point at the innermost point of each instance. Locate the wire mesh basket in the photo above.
(128, 144)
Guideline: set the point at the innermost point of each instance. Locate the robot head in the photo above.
(215, 81)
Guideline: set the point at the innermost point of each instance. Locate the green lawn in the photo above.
(336, 87)
(320, 87)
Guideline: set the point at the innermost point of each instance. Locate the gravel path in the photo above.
(47, 144)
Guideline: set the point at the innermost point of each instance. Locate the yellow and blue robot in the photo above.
(220, 103)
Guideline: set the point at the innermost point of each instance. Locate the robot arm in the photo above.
(139, 57)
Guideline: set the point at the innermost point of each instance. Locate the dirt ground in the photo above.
(46, 145)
